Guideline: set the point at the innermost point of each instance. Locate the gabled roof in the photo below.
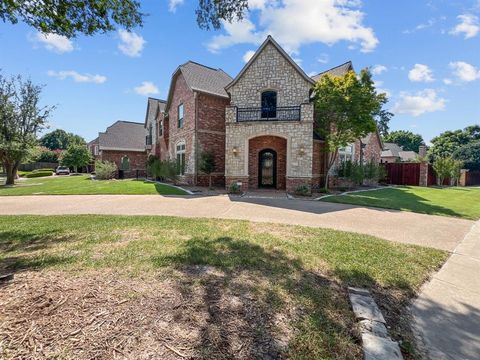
(123, 135)
(407, 155)
(153, 107)
(339, 70)
(201, 78)
(391, 149)
(269, 40)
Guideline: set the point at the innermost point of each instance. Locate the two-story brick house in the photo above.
(153, 120)
(259, 125)
(193, 121)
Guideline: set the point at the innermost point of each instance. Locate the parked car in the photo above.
(62, 170)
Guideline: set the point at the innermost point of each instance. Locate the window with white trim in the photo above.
(180, 116)
(180, 158)
(346, 153)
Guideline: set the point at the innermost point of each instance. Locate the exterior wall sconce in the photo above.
(235, 151)
(302, 150)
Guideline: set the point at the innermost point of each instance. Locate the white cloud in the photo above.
(447, 81)
(465, 71)
(380, 90)
(77, 77)
(131, 44)
(419, 103)
(173, 4)
(53, 42)
(378, 69)
(421, 73)
(323, 58)
(147, 88)
(469, 25)
(294, 23)
(248, 55)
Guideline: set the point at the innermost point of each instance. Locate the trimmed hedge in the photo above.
(35, 174)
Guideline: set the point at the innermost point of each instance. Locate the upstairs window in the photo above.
(269, 104)
(180, 157)
(180, 116)
(160, 128)
(346, 153)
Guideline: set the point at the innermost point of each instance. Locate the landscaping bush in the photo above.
(105, 170)
(234, 189)
(35, 174)
(358, 173)
(44, 169)
(447, 168)
(162, 170)
(302, 190)
(47, 155)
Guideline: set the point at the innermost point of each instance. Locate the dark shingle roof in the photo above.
(391, 149)
(153, 107)
(339, 70)
(205, 79)
(124, 135)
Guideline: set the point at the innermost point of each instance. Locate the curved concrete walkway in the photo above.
(434, 231)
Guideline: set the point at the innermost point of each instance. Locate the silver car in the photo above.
(62, 170)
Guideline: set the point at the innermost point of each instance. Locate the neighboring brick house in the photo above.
(153, 123)
(194, 121)
(394, 153)
(123, 143)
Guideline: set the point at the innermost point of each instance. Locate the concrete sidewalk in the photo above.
(447, 312)
(434, 231)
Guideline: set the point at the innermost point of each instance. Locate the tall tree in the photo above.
(448, 142)
(406, 139)
(76, 156)
(345, 107)
(469, 154)
(21, 117)
(60, 139)
(72, 17)
(383, 118)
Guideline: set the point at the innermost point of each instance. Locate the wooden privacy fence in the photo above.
(411, 174)
(470, 177)
(37, 165)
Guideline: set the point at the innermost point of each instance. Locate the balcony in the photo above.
(285, 113)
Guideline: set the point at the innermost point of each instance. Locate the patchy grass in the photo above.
(453, 201)
(83, 185)
(214, 288)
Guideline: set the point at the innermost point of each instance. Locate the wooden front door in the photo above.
(267, 169)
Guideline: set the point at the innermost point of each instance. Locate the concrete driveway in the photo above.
(433, 231)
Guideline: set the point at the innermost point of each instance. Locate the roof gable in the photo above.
(269, 40)
(153, 107)
(339, 70)
(126, 135)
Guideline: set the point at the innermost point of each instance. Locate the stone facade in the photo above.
(293, 140)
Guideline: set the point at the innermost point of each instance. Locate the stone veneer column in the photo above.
(423, 181)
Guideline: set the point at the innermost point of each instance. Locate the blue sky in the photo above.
(425, 55)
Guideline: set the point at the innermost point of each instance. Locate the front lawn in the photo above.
(83, 185)
(453, 201)
(92, 286)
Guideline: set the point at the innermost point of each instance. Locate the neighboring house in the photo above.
(123, 143)
(394, 153)
(259, 126)
(153, 124)
(194, 121)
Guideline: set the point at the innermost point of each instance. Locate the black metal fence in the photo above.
(285, 113)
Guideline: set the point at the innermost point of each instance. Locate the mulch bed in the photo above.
(105, 315)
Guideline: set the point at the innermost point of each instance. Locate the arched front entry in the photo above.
(267, 169)
(267, 162)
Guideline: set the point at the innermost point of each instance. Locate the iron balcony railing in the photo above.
(148, 140)
(285, 113)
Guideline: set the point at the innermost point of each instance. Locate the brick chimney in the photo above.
(422, 151)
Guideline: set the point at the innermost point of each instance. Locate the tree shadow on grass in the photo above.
(261, 304)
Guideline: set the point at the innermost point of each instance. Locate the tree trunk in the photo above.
(11, 171)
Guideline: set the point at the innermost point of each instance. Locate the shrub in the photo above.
(302, 190)
(447, 168)
(234, 188)
(105, 170)
(163, 170)
(44, 169)
(47, 155)
(35, 174)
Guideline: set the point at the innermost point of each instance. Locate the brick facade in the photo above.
(137, 159)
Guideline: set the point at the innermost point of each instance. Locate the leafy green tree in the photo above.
(406, 139)
(46, 155)
(383, 118)
(60, 139)
(76, 156)
(207, 165)
(21, 117)
(345, 107)
(448, 142)
(72, 17)
(469, 154)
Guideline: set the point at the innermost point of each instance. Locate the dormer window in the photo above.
(269, 104)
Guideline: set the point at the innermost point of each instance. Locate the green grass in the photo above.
(453, 201)
(83, 185)
(290, 267)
